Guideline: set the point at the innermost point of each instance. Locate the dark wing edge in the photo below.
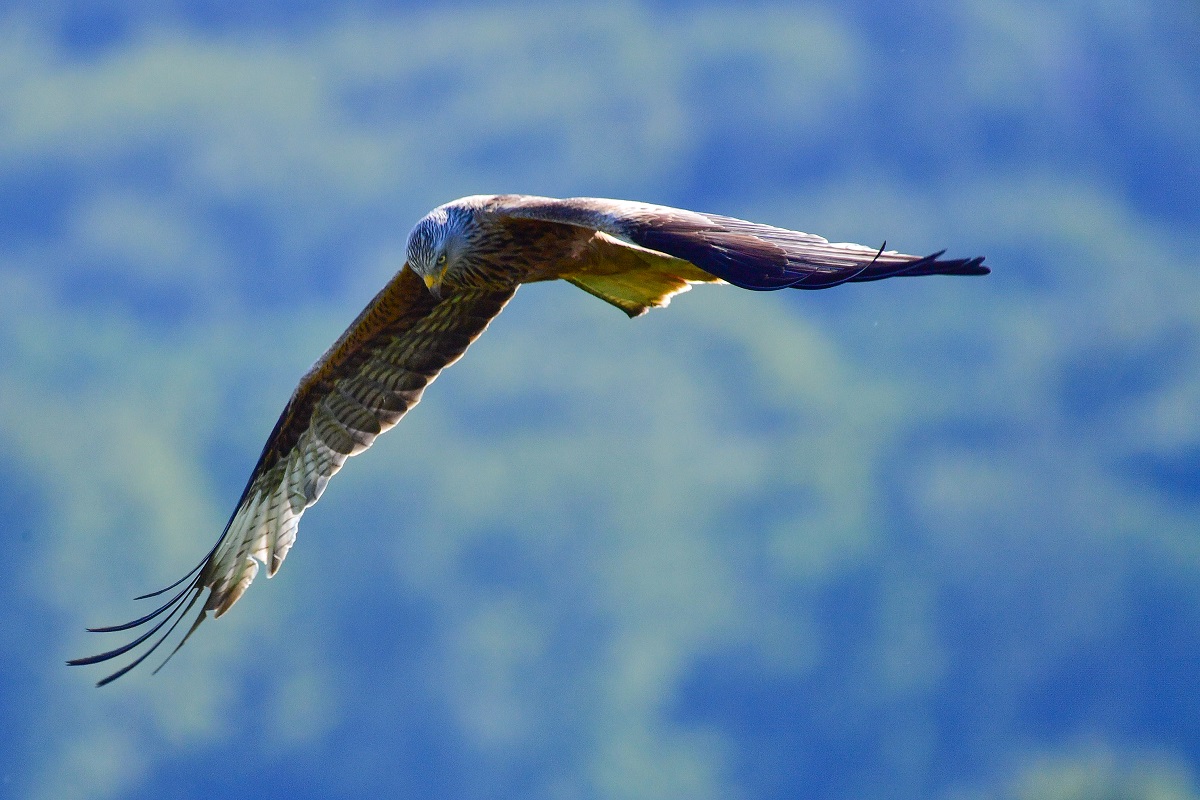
(746, 254)
(766, 258)
(362, 386)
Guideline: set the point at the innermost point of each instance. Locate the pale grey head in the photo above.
(437, 243)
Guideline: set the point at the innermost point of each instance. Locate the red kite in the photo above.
(464, 261)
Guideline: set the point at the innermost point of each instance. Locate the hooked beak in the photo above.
(434, 282)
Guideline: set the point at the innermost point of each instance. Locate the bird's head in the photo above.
(435, 247)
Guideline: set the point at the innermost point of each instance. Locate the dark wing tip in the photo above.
(172, 613)
(957, 266)
(764, 258)
(932, 264)
(169, 615)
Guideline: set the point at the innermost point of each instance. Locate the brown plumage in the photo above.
(465, 261)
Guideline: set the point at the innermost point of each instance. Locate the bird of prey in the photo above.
(464, 262)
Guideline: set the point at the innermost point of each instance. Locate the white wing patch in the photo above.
(264, 528)
(350, 415)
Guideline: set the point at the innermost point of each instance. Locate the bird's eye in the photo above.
(441, 259)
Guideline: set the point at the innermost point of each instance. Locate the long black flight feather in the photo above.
(110, 678)
(172, 607)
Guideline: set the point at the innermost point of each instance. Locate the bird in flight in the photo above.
(464, 262)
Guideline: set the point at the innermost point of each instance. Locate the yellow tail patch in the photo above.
(633, 278)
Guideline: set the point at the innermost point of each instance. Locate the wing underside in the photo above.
(359, 389)
(632, 278)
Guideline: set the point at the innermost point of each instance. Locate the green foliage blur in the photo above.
(929, 538)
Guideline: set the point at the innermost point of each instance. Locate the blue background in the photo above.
(913, 539)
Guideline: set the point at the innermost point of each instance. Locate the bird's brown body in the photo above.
(507, 252)
(465, 260)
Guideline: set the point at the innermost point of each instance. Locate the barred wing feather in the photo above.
(361, 387)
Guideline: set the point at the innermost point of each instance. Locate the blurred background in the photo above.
(928, 538)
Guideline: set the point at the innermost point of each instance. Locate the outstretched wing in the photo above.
(746, 254)
(361, 387)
